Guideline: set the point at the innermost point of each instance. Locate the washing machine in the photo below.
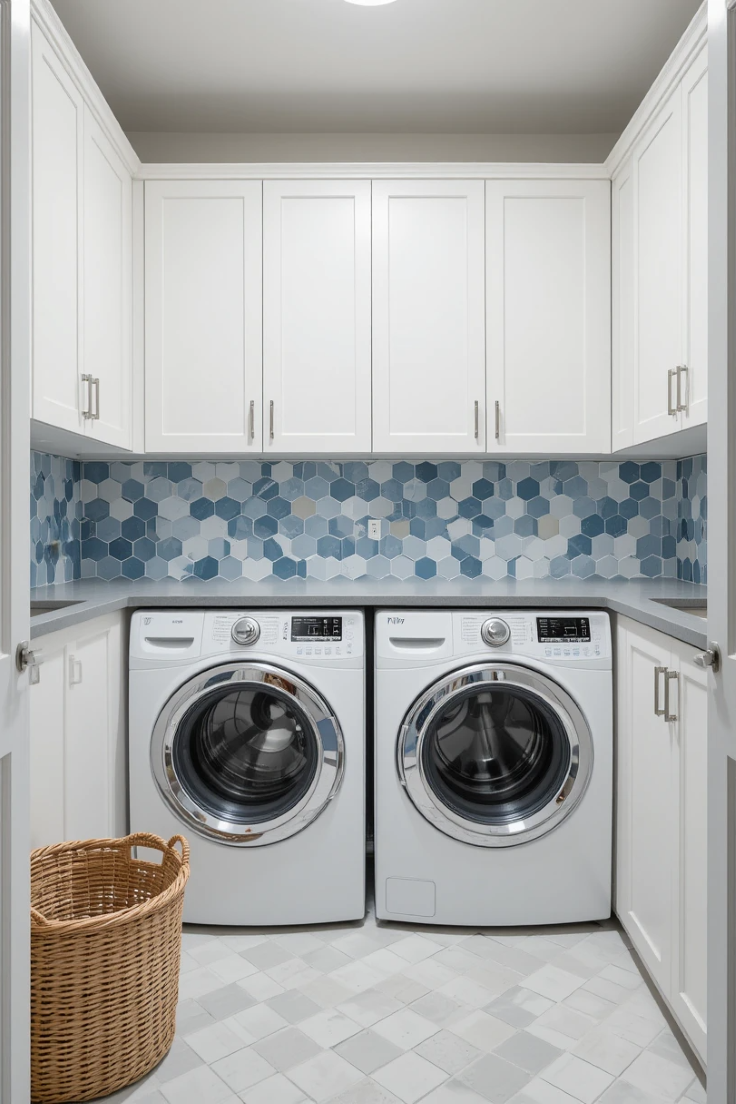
(247, 735)
(493, 761)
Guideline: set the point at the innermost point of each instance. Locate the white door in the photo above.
(722, 555)
(548, 315)
(646, 815)
(57, 213)
(690, 965)
(428, 317)
(203, 316)
(694, 382)
(106, 294)
(14, 589)
(317, 316)
(623, 305)
(659, 261)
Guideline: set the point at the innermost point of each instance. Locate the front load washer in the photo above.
(493, 753)
(247, 735)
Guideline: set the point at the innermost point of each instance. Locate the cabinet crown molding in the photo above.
(47, 19)
(369, 171)
(693, 40)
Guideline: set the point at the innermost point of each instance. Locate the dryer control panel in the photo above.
(560, 636)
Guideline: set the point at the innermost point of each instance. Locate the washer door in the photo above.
(247, 754)
(495, 756)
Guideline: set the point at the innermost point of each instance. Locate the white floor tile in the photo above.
(481, 1030)
(553, 983)
(214, 1042)
(405, 1029)
(608, 1051)
(324, 1076)
(658, 1076)
(243, 1069)
(195, 1087)
(410, 1077)
(329, 1027)
(274, 1090)
(580, 1079)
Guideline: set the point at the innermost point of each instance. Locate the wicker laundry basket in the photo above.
(105, 955)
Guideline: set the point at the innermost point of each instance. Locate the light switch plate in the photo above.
(374, 529)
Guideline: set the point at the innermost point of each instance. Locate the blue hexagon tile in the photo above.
(449, 519)
(56, 519)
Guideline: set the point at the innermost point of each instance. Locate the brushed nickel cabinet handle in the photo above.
(498, 420)
(671, 676)
(657, 672)
(87, 409)
(252, 419)
(475, 412)
(683, 369)
(672, 410)
(270, 419)
(96, 384)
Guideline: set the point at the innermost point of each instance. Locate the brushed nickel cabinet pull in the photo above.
(270, 417)
(475, 405)
(87, 409)
(96, 384)
(252, 419)
(671, 410)
(657, 672)
(498, 420)
(683, 369)
(671, 676)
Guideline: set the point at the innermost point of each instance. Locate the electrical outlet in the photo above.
(374, 529)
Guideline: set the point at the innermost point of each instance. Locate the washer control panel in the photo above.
(555, 635)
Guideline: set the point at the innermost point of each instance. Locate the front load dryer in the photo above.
(247, 735)
(493, 760)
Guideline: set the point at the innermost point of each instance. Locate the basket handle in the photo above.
(184, 848)
(39, 919)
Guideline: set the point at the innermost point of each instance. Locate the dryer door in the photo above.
(247, 754)
(495, 755)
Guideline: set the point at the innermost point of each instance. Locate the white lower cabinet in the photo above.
(78, 758)
(661, 831)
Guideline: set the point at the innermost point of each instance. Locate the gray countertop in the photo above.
(635, 598)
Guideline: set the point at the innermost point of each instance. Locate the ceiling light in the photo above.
(370, 3)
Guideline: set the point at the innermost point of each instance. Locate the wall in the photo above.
(309, 519)
(56, 519)
(268, 148)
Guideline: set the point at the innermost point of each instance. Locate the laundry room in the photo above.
(364, 716)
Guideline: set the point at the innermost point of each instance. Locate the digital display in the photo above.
(306, 629)
(563, 630)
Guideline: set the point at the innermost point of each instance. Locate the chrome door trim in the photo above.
(326, 730)
(420, 716)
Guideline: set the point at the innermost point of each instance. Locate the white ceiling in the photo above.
(421, 66)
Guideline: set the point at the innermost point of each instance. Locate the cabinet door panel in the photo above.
(548, 314)
(428, 317)
(47, 749)
(690, 967)
(624, 307)
(317, 315)
(57, 160)
(695, 175)
(87, 766)
(658, 169)
(107, 291)
(203, 316)
(646, 814)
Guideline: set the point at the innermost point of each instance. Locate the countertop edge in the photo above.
(636, 601)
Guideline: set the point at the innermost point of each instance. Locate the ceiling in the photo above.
(415, 66)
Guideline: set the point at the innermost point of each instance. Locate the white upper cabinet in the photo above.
(82, 259)
(107, 288)
(428, 317)
(548, 315)
(57, 211)
(317, 316)
(660, 279)
(203, 303)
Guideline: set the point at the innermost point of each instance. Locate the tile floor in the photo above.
(380, 1014)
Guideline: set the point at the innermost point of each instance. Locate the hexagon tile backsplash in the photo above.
(252, 519)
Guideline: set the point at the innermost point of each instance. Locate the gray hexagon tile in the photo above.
(232, 519)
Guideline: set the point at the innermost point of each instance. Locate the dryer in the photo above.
(493, 766)
(247, 735)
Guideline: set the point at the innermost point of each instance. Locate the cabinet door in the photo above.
(428, 317)
(659, 260)
(623, 300)
(57, 206)
(317, 316)
(549, 316)
(47, 747)
(203, 309)
(695, 177)
(647, 835)
(107, 289)
(690, 965)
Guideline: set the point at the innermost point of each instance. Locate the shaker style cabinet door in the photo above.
(203, 307)
(57, 122)
(659, 272)
(623, 305)
(428, 317)
(317, 316)
(107, 290)
(548, 316)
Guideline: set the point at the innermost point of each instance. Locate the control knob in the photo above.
(495, 632)
(246, 631)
